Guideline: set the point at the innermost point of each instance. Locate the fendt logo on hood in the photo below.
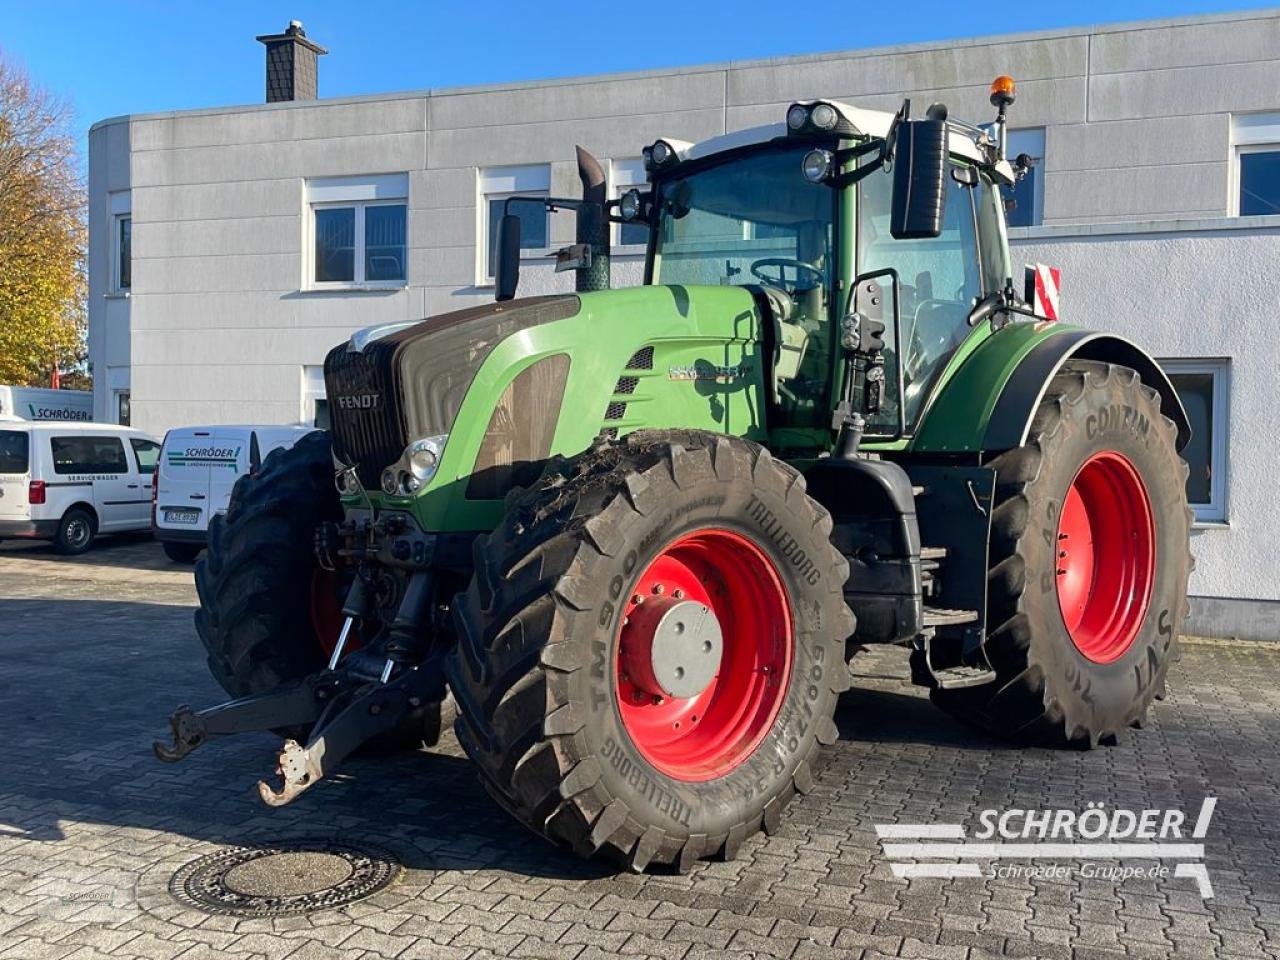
(359, 401)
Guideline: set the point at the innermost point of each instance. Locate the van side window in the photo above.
(14, 451)
(88, 455)
(147, 453)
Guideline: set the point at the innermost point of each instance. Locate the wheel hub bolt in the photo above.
(658, 588)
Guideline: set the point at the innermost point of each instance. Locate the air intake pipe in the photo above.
(592, 224)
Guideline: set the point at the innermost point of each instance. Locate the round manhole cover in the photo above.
(290, 877)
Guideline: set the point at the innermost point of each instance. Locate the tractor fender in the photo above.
(1010, 420)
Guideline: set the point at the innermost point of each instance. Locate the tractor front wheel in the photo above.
(1089, 561)
(651, 648)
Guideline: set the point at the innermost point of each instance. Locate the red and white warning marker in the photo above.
(1041, 294)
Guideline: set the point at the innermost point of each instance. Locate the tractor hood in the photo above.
(393, 383)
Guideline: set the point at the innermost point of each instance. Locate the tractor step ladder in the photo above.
(942, 617)
(953, 677)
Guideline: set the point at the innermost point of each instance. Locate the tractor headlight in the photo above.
(629, 206)
(817, 164)
(797, 116)
(423, 457)
(390, 482)
(824, 116)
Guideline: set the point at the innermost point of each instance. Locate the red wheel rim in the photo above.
(707, 735)
(1106, 557)
(326, 611)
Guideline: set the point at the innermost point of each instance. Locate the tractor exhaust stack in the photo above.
(592, 224)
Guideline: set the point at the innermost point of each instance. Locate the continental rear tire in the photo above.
(550, 707)
(76, 531)
(1089, 563)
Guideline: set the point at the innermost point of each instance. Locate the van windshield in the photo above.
(15, 451)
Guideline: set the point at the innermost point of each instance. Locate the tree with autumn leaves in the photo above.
(42, 234)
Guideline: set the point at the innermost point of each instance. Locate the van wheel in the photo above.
(182, 552)
(76, 531)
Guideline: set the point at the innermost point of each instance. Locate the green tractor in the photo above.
(638, 534)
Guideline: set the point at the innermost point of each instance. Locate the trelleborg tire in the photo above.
(1088, 567)
(268, 612)
(561, 637)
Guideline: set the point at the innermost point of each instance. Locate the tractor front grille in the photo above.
(366, 416)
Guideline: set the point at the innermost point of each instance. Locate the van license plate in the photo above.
(182, 516)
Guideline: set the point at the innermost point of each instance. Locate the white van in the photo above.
(198, 468)
(41, 403)
(68, 481)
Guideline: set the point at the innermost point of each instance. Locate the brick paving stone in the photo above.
(91, 827)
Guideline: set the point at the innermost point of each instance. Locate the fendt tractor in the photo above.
(634, 536)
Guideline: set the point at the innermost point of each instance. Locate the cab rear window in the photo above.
(88, 455)
(15, 451)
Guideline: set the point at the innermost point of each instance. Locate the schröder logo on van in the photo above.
(207, 456)
(57, 413)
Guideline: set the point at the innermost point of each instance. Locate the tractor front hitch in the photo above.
(288, 706)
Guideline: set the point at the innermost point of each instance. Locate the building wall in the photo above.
(1196, 289)
(109, 321)
(220, 326)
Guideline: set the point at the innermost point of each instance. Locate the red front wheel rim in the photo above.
(325, 607)
(1106, 557)
(710, 733)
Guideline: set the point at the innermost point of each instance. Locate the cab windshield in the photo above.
(756, 220)
(751, 220)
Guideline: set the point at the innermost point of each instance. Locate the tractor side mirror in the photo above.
(919, 180)
(506, 271)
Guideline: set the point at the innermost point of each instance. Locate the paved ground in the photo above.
(94, 654)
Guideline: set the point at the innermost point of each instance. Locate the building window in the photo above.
(124, 413)
(1202, 387)
(1257, 164)
(1024, 201)
(497, 184)
(629, 175)
(124, 252)
(315, 406)
(358, 231)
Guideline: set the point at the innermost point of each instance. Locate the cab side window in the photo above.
(147, 453)
(940, 281)
(88, 455)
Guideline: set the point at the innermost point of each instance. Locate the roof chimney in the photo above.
(291, 64)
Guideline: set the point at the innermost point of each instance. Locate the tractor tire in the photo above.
(182, 552)
(1089, 560)
(591, 590)
(268, 612)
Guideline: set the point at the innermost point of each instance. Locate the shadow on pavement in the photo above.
(90, 684)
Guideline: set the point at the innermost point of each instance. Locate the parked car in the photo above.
(68, 481)
(198, 468)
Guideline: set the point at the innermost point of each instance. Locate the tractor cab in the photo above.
(801, 210)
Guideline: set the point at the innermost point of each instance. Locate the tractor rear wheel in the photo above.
(1088, 568)
(269, 613)
(651, 648)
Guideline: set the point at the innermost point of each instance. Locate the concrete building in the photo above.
(231, 247)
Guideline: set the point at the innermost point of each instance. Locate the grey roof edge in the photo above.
(1260, 13)
(1134, 228)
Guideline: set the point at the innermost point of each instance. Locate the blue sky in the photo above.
(127, 56)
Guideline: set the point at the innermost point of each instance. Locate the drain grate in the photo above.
(286, 878)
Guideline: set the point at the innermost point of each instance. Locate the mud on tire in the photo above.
(1046, 690)
(534, 670)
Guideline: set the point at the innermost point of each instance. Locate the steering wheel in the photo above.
(782, 265)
